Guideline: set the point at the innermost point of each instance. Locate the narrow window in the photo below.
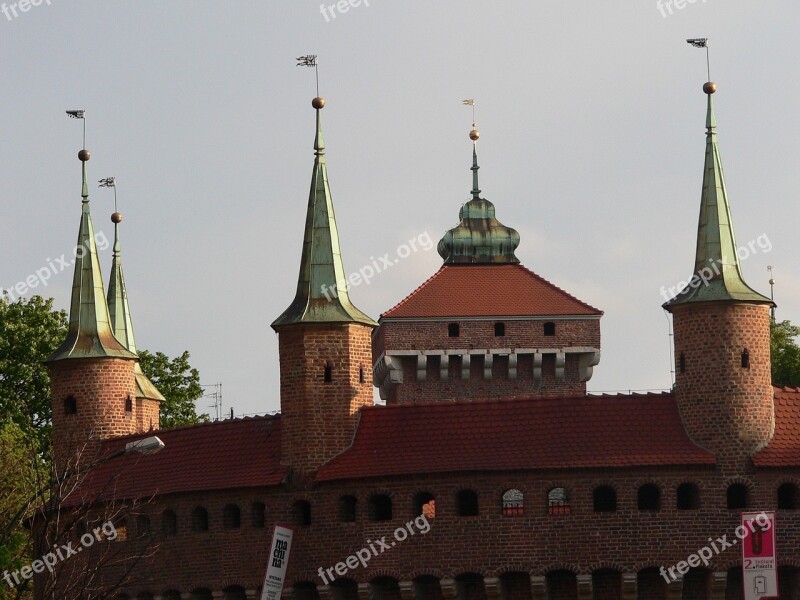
(380, 508)
(549, 329)
(499, 329)
(737, 496)
(558, 502)
(327, 376)
(513, 503)
(169, 523)
(347, 509)
(688, 496)
(788, 497)
(467, 503)
(745, 359)
(361, 377)
(129, 403)
(649, 497)
(605, 499)
(70, 405)
(199, 519)
(425, 504)
(301, 511)
(682, 363)
(231, 517)
(257, 512)
(453, 330)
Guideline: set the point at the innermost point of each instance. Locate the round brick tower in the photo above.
(92, 373)
(324, 341)
(722, 352)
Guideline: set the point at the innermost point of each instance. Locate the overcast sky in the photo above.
(592, 139)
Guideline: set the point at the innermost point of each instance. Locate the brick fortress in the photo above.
(533, 489)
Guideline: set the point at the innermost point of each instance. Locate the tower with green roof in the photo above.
(324, 340)
(721, 324)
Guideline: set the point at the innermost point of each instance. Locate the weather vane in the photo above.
(702, 43)
(473, 134)
(110, 182)
(310, 60)
(79, 114)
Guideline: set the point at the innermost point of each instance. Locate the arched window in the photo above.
(425, 504)
(604, 499)
(142, 525)
(257, 514)
(199, 519)
(380, 507)
(513, 503)
(737, 496)
(549, 329)
(201, 594)
(499, 329)
(327, 373)
(169, 523)
(301, 511)
(688, 496)
(467, 503)
(234, 592)
(70, 405)
(231, 517)
(171, 595)
(347, 509)
(745, 359)
(649, 497)
(788, 497)
(558, 502)
(128, 403)
(453, 330)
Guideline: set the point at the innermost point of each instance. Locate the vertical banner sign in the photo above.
(759, 561)
(278, 560)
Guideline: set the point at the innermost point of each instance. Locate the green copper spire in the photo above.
(90, 334)
(479, 238)
(321, 286)
(120, 314)
(717, 273)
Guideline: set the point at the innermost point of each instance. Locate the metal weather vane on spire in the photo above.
(310, 60)
(110, 182)
(702, 43)
(474, 134)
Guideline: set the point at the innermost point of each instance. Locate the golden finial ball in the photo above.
(116, 217)
(474, 135)
(318, 102)
(84, 155)
(709, 87)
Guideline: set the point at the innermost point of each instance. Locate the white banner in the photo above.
(759, 560)
(278, 561)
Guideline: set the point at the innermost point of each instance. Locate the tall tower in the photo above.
(92, 374)
(148, 398)
(722, 384)
(324, 341)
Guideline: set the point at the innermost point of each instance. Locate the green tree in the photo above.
(785, 354)
(29, 332)
(178, 382)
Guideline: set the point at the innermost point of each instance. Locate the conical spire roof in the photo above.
(479, 238)
(120, 316)
(321, 286)
(717, 273)
(90, 334)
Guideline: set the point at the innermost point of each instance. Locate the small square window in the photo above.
(453, 330)
(549, 329)
(499, 329)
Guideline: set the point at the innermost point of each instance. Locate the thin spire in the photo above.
(90, 334)
(321, 295)
(717, 272)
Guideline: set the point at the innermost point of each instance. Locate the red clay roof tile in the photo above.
(784, 448)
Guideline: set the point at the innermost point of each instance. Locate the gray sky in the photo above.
(592, 138)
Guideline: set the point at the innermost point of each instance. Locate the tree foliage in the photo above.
(178, 382)
(785, 354)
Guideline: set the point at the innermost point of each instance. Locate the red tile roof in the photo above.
(236, 453)
(488, 290)
(784, 449)
(523, 433)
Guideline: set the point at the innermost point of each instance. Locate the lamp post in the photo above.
(146, 446)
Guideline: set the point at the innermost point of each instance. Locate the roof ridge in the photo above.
(198, 425)
(415, 291)
(560, 289)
